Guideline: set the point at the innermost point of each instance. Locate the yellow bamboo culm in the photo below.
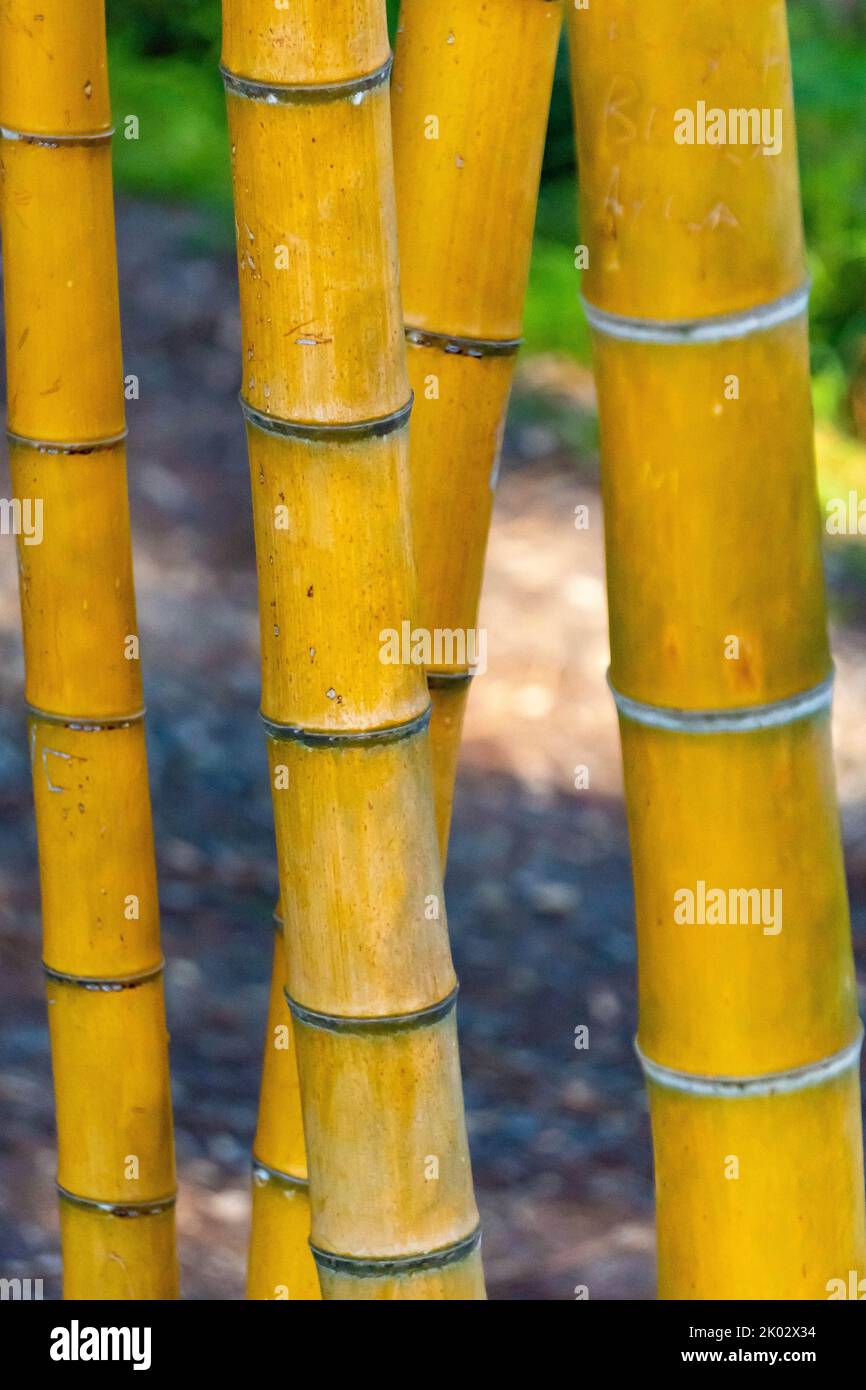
(281, 1265)
(461, 387)
(467, 170)
(83, 682)
(371, 986)
(697, 294)
(450, 204)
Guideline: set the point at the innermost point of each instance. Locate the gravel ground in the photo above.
(539, 890)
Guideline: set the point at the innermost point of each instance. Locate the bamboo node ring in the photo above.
(123, 1209)
(347, 433)
(80, 724)
(366, 1268)
(727, 721)
(319, 738)
(444, 680)
(47, 446)
(303, 94)
(263, 1172)
(388, 1023)
(770, 1084)
(715, 328)
(458, 346)
(50, 141)
(109, 985)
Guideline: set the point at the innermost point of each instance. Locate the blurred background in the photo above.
(539, 891)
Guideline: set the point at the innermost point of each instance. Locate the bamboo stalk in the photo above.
(280, 1262)
(83, 684)
(370, 980)
(483, 172)
(467, 169)
(696, 290)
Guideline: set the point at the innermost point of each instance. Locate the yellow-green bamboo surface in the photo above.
(83, 682)
(467, 167)
(696, 290)
(371, 986)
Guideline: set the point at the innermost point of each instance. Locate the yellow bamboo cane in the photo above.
(467, 167)
(83, 683)
(280, 1265)
(450, 200)
(370, 982)
(696, 292)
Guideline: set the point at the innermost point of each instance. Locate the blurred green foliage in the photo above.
(829, 47)
(164, 56)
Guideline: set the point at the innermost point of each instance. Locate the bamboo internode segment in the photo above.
(790, 1223)
(400, 1186)
(738, 1000)
(114, 1131)
(699, 480)
(64, 382)
(365, 930)
(342, 353)
(720, 663)
(279, 1142)
(334, 553)
(381, 949)
(281, 1265)
(96, 854)
(55, 73)
(448, 698)
(467, 168)
(296, 45)
(681, 231)
(455, 441)
(124, 1257)
(83, 567)
(83, 683)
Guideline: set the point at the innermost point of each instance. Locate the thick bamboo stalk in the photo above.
(467, 167)
(453, 197)
(696, 290)
(83, 683)
(370, 980)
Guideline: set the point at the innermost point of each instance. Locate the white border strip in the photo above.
(773, 1084)
(716, 329)
(727, 721)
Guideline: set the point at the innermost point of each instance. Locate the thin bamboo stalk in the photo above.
(370, 980)
(696, 291)
(467, 169)
(280, 1265)
(83, 683)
